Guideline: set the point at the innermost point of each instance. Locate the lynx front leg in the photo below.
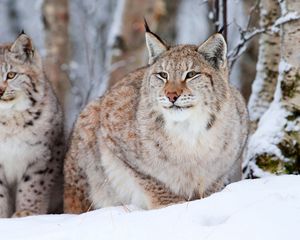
(5, 206)
(159, 195)
(75, 187)
(165, 199)
(33, 190)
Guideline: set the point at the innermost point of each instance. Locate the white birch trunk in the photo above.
(263, 87)
(275, 146)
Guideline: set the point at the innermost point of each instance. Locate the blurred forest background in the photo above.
(88, 45)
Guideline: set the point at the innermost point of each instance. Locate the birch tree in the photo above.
(263, 87)
(274, 148)
(56, 23)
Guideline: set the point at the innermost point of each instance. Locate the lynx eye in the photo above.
(11, 75)
(162, 75)
(191, 74)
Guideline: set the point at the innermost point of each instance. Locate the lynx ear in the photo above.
(154, 44)
(214, 50)
(22, 49)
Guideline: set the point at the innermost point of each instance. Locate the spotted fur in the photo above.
(31, 134)
(170, 132)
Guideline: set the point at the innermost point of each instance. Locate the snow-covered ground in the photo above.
(267, 209)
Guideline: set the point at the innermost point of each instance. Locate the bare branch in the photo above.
(246, 35)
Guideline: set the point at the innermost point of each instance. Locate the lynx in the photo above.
(31, 134)
(170, 132)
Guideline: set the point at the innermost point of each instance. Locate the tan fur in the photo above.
(133, 146)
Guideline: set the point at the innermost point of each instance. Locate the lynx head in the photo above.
(186, 79)
(20, 67)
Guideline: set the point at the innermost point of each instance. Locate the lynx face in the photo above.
(182, 79)
(179, 87)
(18, 67)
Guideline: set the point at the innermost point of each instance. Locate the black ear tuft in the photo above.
(147, 29)
(221, 29)
(22, 32)
(155, 45)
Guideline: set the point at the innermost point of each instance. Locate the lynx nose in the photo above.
(173, 96)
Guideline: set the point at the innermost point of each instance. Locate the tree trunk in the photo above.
(264, 85)
(290, 87)
(56, 19)
(275, 146)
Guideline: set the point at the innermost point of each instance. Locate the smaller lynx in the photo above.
(170, 132)
(31, 134)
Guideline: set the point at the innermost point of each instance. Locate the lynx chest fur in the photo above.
(170, 132)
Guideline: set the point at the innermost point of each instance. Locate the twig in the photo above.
(247, 35)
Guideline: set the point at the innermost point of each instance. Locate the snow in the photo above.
(283, 7)
(257, 105)
(267, 208)
(269, 131)
(283, 19)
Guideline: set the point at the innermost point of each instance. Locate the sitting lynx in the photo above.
(170, 132)
(31, 134)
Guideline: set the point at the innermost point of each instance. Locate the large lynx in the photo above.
(169, 132)
(31, 134)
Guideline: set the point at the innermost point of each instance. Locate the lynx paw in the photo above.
(75, 201)
(23, 213)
